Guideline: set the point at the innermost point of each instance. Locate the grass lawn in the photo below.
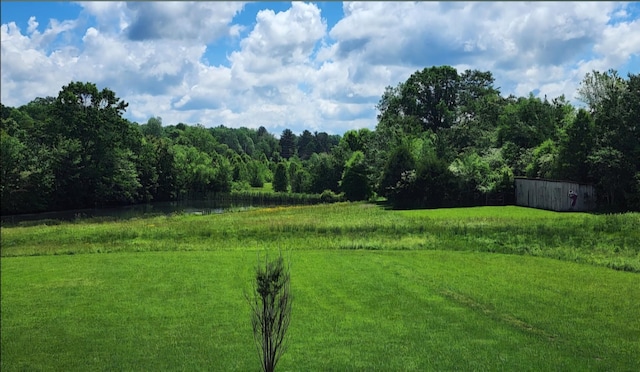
(453, 289)
(266, 187)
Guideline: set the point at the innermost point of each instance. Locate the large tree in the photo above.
(281, 178)
(575, 146)
(430, 95)
(94, 118)
(287, 144)
(615, 157)
(355, 182)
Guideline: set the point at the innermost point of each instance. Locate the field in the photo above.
(490, 288)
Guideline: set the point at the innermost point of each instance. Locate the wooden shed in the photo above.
(554, 195)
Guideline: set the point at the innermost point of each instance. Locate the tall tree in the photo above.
(355, 183)
(324, 173)
(527, 122)
(399, 162)
(153, 127)
(615, 157)
(281, 178)
(94, 118)
(287, 144)
(430, 95)
(596, 87)
(575, 146)
(306, 145)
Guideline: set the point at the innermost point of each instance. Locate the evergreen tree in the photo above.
(281, 178)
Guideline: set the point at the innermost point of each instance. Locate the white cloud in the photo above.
(33, 25)
(186, 21)
(27, 72)
(290, 71)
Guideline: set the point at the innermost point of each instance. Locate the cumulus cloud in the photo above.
(187, 21)
(27, 71)
(287, 69)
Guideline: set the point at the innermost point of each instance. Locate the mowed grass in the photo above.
(373, 290)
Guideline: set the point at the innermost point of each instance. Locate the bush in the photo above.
(329, 196)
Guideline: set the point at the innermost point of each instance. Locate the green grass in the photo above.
(607, 240)
(266, 187)
(373, 290)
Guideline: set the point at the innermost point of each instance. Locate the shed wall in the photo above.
(554, 195)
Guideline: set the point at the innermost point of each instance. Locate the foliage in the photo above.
(328, 196)
(355, 183)
(281, 178)
(543, 164)
(575, 147)
(398, 164)
(325, 173)
(287, 144)
(76, 150)
(271, 310)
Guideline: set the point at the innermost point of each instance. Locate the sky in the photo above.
(321, 66)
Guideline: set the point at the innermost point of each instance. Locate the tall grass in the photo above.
(606, 240)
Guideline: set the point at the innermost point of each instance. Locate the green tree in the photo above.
(223, 174)
(631, 118)
(431, 184)
(400, 161)
(527, 122)
(324, 142)
(615, 156)
(306, 145)
(325, 174)
(265, 144)
(472, 173)
(146, 161)
(543, 164)
(355, 183)
(256, 170)
(430, 95)
(301, 181)
(13, 163)
(287, 144)
(167, 170)
(575, 146)
(597, 87)
(281, 178)
(240, 170)
(153, 127)
(27, 176)
(195, 172)
(478, 109)
(94, 118)
(227, 136)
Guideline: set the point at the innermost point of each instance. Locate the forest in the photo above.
(442, 138)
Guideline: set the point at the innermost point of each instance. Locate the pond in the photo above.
(204, 207)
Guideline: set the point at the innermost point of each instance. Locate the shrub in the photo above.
(271, 311)
(329, 196)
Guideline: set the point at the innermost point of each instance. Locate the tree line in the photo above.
(442, 138)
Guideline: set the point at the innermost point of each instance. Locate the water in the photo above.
(203, 207)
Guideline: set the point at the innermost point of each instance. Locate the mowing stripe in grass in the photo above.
(353, 310)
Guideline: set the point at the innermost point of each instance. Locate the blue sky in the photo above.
(319, 66)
